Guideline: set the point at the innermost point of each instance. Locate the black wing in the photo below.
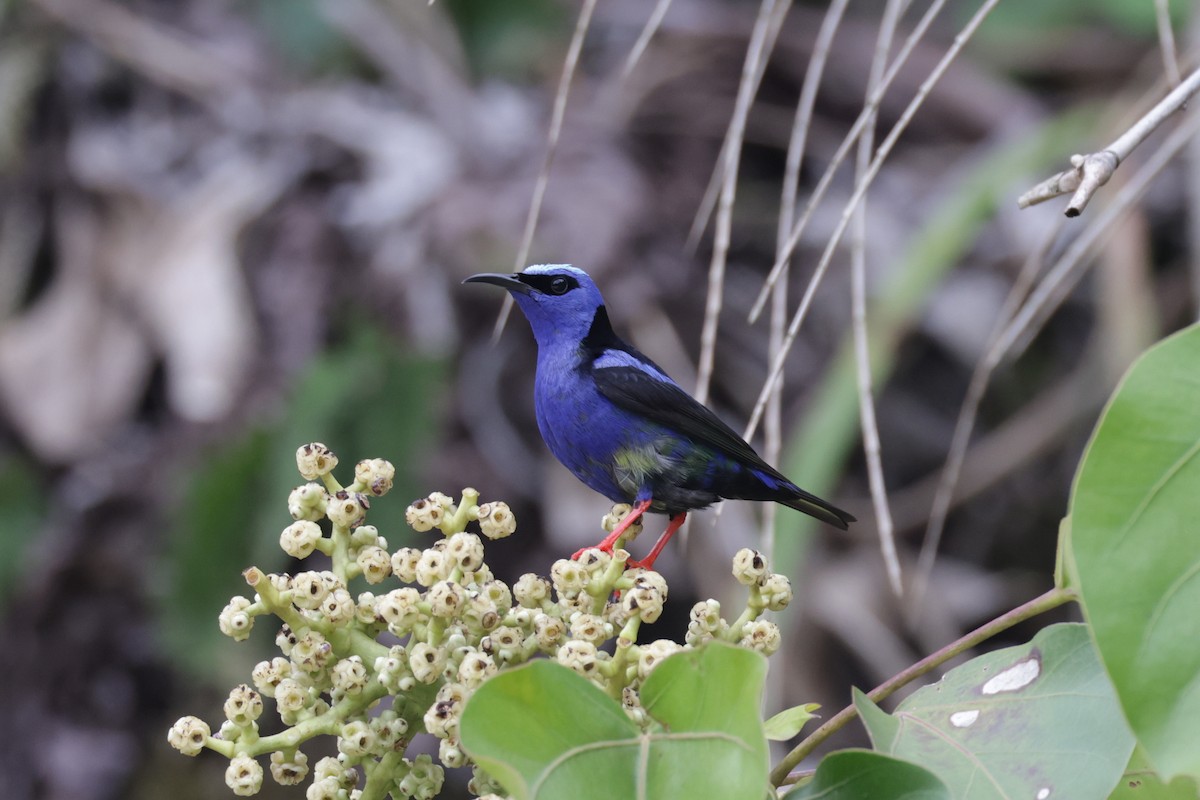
(672, 407)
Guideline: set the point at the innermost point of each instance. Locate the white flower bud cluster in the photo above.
(496, 520)
(314, 460)
(448, 625)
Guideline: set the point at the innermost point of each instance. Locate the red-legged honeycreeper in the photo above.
(622, 426)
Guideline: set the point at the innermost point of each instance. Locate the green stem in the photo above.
(341, 552)
(381, 776)
(457, 522)
(274, 602)
(614, 670)
(1039, 605)
(328, 723)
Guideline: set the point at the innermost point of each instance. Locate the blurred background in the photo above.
(231, 227)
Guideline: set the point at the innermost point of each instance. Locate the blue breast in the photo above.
(583, 430)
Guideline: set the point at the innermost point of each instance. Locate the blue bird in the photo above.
(622, 426)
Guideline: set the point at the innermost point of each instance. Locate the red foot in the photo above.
(618, 532)
(648, 562)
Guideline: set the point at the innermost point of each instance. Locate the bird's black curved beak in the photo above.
(510, 282)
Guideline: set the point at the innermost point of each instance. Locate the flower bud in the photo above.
(424, 515)
(650, 655)
(347, 509)
(531, 590)
(776, 592)
(594, 560)
(579, 656)
(356, 739)
(644, 600)
(426, 662)
(307, 502)
(761, 635)
(432, 567)
(289, 771)
(375, 563)
(390, 729)
(188, 735)
(465, 550)
(404, 563)
(496, 520)
(338, 607)
(749, 566)
(235, 620)
(616, 514)
(349, 675)
(376, 475)
(399, 609)
(291, 696)
(300, 538)
(568, 577)
(549, 632)
(590, 628)
(450, 753)
(244, 776)
(268, 674)
(243, 706)
(311, 652)
(475, 668)
(314, 460)
(446, 599)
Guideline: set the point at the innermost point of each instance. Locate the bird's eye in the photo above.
(559, 286)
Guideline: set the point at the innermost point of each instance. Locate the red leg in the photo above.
(619, 531)
(648, 562)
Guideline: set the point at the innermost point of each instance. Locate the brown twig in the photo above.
(556, 123)
(1039, 605)
(1089, 172)
(762, 41)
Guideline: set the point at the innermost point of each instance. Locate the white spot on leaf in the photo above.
(1015, 677)
(964, 719)
(1043, 793)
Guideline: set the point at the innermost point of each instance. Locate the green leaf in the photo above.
(1140, 783)
(544, 732)
(1035, 721)
(787, 723)
(863, 774)
(1134, 550)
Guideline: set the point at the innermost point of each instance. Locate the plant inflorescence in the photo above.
(376, 668)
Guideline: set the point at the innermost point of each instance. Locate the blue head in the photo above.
(560, 301)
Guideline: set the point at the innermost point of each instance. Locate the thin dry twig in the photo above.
(881, 155)
(965, 424)
(1166, 41)
(818, 193)
(773, 426)
(556, 123)
(643, 40)
(712, 192)
(1065, 274)
(872, 448)
(762, 41)
(1089, 172)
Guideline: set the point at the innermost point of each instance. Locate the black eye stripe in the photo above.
(550, 284)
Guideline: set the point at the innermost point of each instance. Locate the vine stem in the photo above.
(1039, 605)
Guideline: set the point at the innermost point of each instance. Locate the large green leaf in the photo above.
(1140, 783)
(867, 775)
(1032, 722)
(1135, 549)
(544, 732)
